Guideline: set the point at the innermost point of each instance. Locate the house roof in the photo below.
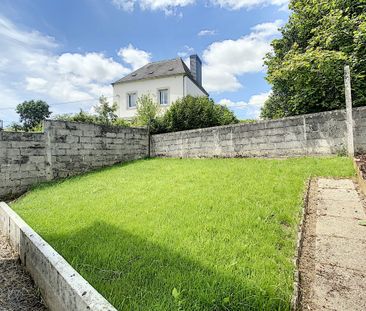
(160, 69)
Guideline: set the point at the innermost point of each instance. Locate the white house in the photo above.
(165, 81)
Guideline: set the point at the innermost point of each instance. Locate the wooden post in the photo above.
(348, 93)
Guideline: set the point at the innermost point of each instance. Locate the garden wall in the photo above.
(359, 117)
(22, 161)
(314, 134)
(69, 148)
(74, 148)
(64, 149)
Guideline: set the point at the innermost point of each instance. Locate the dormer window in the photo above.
(164, 97)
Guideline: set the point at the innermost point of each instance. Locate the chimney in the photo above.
(196, 68)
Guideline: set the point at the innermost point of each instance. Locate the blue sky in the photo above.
(68, 52)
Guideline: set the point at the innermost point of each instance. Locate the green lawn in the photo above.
(170, 234)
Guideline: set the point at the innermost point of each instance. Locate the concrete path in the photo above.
(339, 282)
(17, 291)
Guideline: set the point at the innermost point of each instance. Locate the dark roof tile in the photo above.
(160, 69)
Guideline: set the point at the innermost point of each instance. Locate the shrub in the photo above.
(158, 125)
(147, 110)
(81, 116)
(105, 115)
(196, 112)
(121, 122)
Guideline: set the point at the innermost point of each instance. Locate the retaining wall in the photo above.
(314, 134)
(64, 149)
(62, 288)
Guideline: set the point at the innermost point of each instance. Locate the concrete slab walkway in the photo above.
(339, 254)
(17, 290)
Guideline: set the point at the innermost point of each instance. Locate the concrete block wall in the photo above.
(74, 148)
(69, 148)
(63, 150)
(314, 134)
(359, 133)
(22, 161)
(62, 288)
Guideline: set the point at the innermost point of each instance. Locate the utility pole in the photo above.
(348, 93)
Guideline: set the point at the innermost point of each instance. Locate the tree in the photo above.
(196, 112)
(147, 110)
(32, 113)
(306, 66)
(105, 112)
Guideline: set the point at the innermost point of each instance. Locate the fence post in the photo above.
(348, 94)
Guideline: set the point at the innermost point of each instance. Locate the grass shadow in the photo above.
(135, 274)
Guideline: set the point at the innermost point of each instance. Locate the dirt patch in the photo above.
(17, 290)
(360, 166)
(307, 254)
(361, 159)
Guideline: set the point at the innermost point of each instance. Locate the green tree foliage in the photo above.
(184, 114)
(306, 67)
(32, 113)
(147, 110)
(106, 114)
(81, 116)
(196, 112)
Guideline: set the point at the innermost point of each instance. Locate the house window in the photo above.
(131, 100)
(163, 97)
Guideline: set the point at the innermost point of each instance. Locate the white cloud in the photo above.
(224, 61)
(251, 108)
(240, 4)
(134, 57)
(168, 6)
(163, 4)
(206, 32)
(32, 68)
(187, 51)
(20, 38)
(125, 5)
(35, 84)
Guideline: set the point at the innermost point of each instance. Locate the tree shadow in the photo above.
(136, 274)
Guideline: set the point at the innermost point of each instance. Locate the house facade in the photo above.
(164, 81)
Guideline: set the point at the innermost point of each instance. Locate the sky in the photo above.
(68, 52)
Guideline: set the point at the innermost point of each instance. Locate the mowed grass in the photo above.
(171, 234)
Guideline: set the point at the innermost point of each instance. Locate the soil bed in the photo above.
(17, 290)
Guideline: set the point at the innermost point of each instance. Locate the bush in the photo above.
(86, 117)
(195, 112)
(81, 116)
(158, 125)
(105, 115)
(147, 110)
(121, 122)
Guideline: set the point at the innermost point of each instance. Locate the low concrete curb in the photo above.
(295, 301)
(62, 288)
